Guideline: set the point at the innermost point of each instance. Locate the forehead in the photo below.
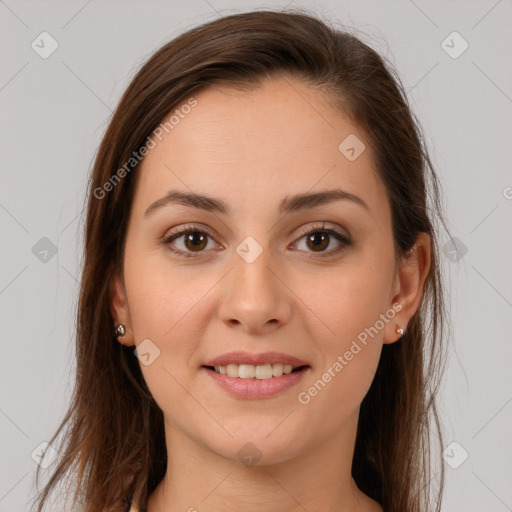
(280, 138)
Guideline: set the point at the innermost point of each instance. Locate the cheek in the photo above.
(345, 302)
(169, 305)
(161, 293)
(166, 307)
(348, 350)
(344, 321)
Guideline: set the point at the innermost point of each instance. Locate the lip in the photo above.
(242, 357)
(256, 388)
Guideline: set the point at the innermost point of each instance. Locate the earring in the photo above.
(400, 331)
(120, 330)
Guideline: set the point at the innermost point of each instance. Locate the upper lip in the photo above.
(242, 357)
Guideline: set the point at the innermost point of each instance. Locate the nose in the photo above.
(255, 298)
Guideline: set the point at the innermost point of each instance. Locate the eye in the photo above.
(318, 238)
(195, 240)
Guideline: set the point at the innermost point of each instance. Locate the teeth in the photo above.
(248, 371)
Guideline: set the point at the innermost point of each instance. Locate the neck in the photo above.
(317, 477)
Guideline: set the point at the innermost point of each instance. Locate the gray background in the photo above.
(54, 112)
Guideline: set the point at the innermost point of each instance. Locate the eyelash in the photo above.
(188, 229)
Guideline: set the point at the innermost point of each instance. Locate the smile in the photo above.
(249, 371)
(255, 382)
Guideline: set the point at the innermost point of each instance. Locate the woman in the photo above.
(260, 320)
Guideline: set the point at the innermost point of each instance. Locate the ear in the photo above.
(120, 310)
(408, 286)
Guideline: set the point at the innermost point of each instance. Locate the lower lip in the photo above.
(256, 388)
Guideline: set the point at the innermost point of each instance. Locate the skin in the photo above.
(245, 147)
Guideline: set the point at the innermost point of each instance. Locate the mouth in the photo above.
(255, 382)
(259, 372)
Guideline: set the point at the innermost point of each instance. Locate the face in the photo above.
(309, 280)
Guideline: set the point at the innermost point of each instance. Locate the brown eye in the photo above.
(318, 240)
(196, 241)
(193, 243)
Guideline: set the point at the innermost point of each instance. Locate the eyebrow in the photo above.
(289, 204)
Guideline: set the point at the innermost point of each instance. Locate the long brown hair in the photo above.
(113, 448)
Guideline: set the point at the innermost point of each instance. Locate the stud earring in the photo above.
(400, 331)
(120, 330)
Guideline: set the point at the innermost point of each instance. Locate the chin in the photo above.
(258, 446)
